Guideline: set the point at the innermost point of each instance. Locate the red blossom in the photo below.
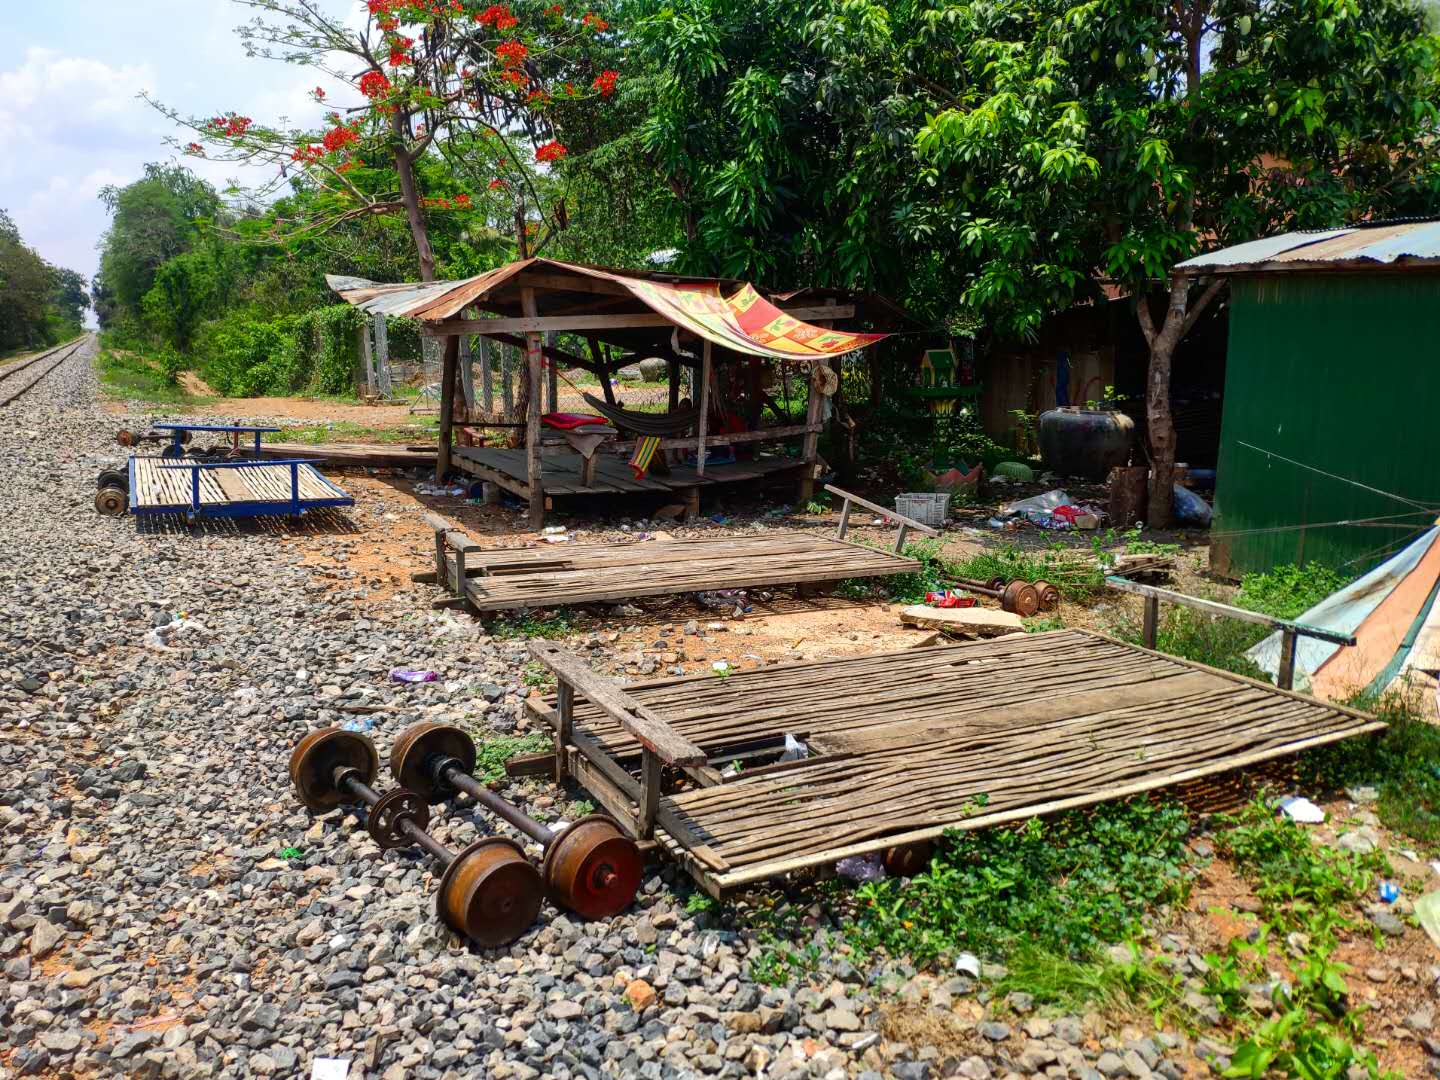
(512, 53)
(195, 148)
(498, 185)
(318, 93)
(374, 84)
(229, 125)
(337, 138)
(551, 151)
(605, 82)
(517, 79)
(595, 22)
(538, 97)
(555, 9)
(308, 155)
(498, 16)
(462, 201)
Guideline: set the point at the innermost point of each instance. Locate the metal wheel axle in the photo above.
(591, 867)
(489, 892)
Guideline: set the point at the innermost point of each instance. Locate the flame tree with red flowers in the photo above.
(483, 87)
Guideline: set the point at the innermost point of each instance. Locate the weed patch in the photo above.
(349, 431)
(1066, 886)
(555, 624)
(492, 752)
(128, 376)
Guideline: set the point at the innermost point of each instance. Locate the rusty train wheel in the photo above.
(315, 757)
(1020, 597)
(907, 860)
(421, 743)
(490, 892)
(125, 437)
(1049, 595)
(110, 502)
(996, 583)
(386, 823)
(593, 869)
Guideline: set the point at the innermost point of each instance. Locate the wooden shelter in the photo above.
(705, 325)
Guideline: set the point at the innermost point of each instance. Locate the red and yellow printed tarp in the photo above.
(745, 322)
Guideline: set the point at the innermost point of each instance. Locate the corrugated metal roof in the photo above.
(1407, 243)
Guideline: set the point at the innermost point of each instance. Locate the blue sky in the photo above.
(70, 71)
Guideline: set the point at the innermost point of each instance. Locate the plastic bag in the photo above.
(794, 749)
(1190, 508)
(862, 867)
(404, 676)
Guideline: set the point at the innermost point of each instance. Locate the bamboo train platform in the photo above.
(907, 745)
(198, 489)
(560, 574)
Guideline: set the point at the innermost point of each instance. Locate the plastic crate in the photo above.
(926, 507)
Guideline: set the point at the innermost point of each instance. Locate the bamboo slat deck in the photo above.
(159, 490)
(613, 476)
(587, 573)
(905, 745)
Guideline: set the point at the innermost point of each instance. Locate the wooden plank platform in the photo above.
(586, 573)
(376, 456)
(613, 476)
(906, 745)
(156, 489)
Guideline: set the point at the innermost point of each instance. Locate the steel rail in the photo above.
(73, 347)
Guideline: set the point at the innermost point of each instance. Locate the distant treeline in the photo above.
(40, 304)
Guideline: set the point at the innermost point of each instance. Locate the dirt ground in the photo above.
(390, 542)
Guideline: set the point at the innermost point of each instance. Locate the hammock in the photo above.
(644, 423)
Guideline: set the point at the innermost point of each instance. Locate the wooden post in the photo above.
(565, 711)
(674, 376)
(382, 356)
(650, 770)
(467, 377)
(844, 521)
(1285, 677)
(1152, 621)
(703, 422)
(487, 391)
(507, 374)
(367, 355)
(552, 373)
(810, 447)
(534, 462)
(447, 406)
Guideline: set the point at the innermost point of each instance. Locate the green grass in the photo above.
(1076, 579)
(128, 376)
(1066, 886)
(421, 431)
(1221, 642)
(493, 751)
(557, 624)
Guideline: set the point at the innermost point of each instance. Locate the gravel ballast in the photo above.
(167, 908)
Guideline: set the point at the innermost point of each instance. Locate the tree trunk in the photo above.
(1180, 315)
(410, 196)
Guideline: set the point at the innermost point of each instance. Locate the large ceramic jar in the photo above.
(1085, 442)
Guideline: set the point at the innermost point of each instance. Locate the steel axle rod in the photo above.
(590, 867)
(489, 892)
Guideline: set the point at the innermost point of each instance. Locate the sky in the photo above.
(72, 122)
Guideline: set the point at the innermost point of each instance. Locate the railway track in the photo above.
(19, 378)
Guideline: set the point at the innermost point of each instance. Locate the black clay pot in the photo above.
(1085, 442)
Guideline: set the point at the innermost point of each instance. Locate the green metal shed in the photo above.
(1330, 438)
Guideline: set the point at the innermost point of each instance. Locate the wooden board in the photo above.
(360, 454)
(613, 476)
(905, 745)
(558, 574)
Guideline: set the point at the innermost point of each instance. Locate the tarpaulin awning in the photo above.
(743, 321)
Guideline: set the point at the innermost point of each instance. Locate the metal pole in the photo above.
(463, 781)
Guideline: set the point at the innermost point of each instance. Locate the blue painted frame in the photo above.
(296, 507)
(177, 433)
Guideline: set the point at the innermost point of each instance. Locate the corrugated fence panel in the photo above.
(1342, 373)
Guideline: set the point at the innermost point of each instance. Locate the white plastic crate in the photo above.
(926, 507)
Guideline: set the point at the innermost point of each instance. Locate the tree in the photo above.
(39, 303)
(1122, 137)
(426, 72)
(153, 219)
(1011, 158)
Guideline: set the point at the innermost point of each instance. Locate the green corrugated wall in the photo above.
(1342, 372)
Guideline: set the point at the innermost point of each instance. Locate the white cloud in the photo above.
(73, 122)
